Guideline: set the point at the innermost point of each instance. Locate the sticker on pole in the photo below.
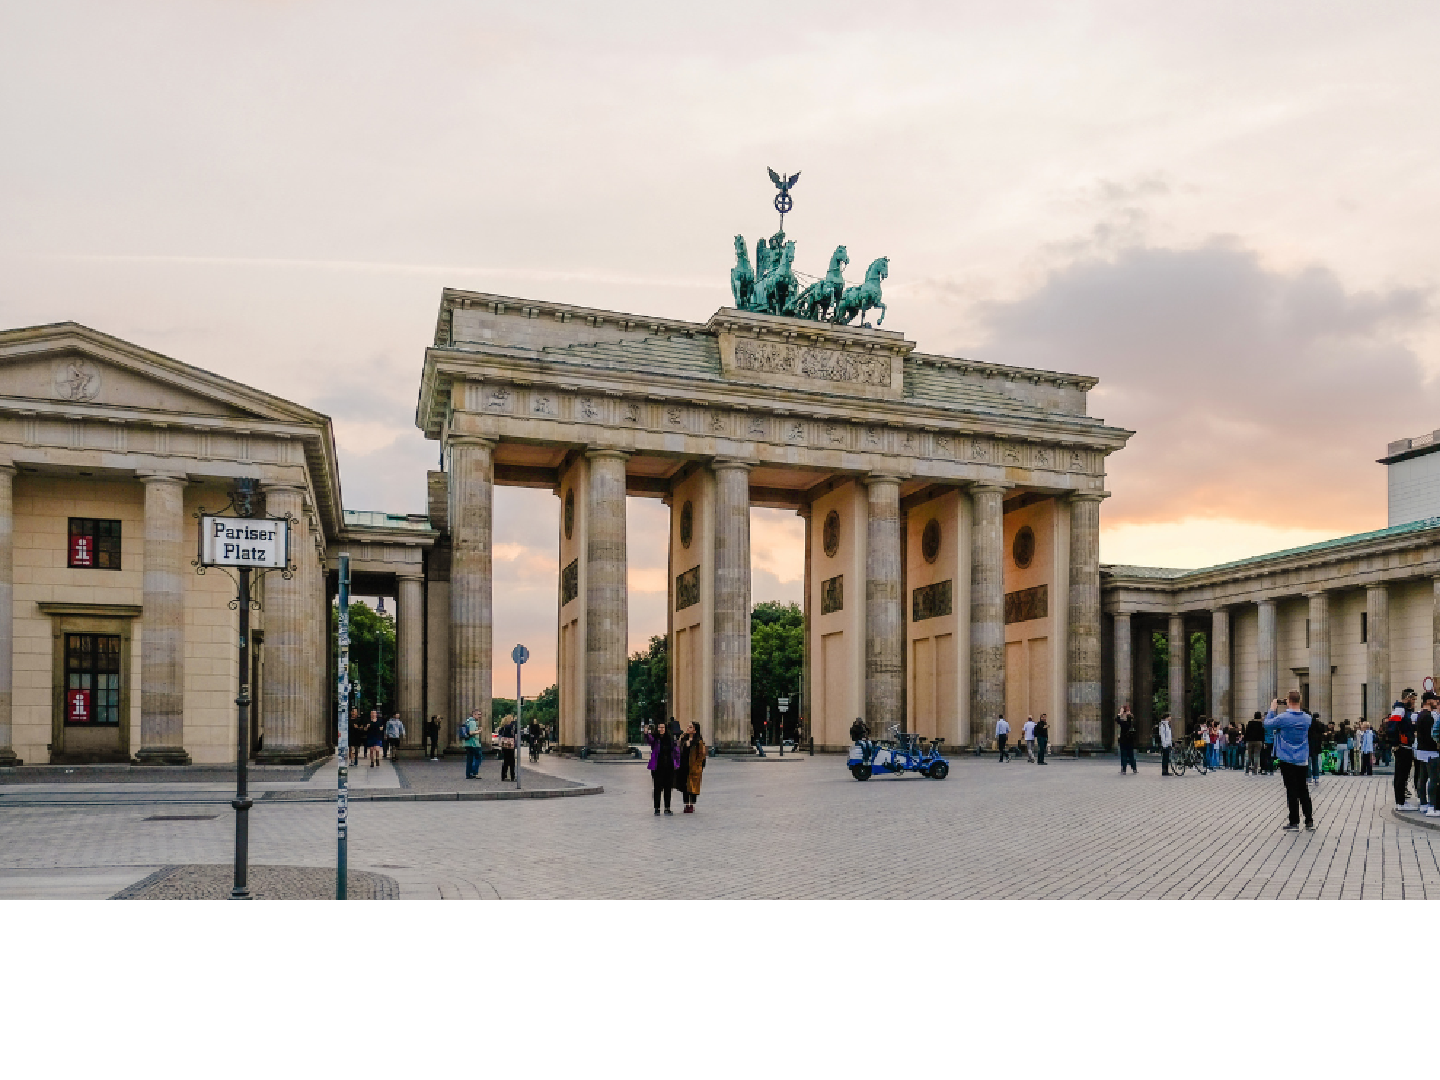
(254, 542)
(520, 654)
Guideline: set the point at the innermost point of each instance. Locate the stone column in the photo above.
(286, 689)
(7, 615)
(410, 658)
(807, 700)
(607, 612)
(1266, 676)
(1178, 657)
(732, 605)
(987, 611)
(1083, 628)
(884, 629)
(162, 642)
(1319, 654)
(1124, 664)
(1219, 653)
(472, 497)
(1377, 653)
(1144, 706)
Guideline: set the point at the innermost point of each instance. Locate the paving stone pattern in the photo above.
(807, 830)
(265, 882)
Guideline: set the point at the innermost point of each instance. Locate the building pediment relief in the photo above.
(74, 367)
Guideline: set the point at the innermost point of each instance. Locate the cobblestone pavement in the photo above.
(803, 828)
(265, 882)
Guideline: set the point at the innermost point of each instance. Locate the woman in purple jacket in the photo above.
(664, 760)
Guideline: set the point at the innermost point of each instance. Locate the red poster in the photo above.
(77, 706)
(82, 552)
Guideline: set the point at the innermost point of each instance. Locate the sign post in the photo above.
(245, 544)
(342, 737)
(519, 654)
(784, 706)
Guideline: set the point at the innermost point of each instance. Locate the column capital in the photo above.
(883, 478)
(471, 440)
(410, 574)
(1088, 496)
(987, 486)
(1313, 593)
(731, 463)
(282, 487)
(7, 468)
(606, 453)
(158, 477)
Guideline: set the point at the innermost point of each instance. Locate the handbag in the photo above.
(507, 744)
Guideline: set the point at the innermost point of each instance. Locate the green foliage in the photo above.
(1160, 676)
(648, 683)
(372, 642)
(777, 655)
(1198, 649)
(545, 707)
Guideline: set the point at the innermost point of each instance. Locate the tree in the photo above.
(372, 641)
(649, 680)
(777, 655)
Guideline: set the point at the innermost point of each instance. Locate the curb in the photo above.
(264, 799)
(1413, 817)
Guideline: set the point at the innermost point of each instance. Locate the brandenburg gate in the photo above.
(951, 510)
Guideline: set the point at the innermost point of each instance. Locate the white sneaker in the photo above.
(1407, 808)
(1425, 808)
(1432, 813)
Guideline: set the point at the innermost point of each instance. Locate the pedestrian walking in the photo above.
(1400, 737)
(1167, 741)
(394, 732)
(663, 754)
(470, 739)
(507, 749)
(1042, 738)
(757, 736)
(692, 766)
(1028, 734)
(357, 737)
(431, 729)
(1291, 729)
(1125, 737)
(1254, 745)
(1002, 733)
(374, 738)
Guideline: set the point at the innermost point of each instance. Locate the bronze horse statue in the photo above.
(778, 289)
(859, 299)
(817, 299)
(742, 277)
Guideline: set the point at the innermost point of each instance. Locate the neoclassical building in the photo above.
(1348, 622)
(951, 551)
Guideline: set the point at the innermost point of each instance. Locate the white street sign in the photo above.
(234, 541)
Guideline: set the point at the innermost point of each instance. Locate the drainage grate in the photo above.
(182, 817)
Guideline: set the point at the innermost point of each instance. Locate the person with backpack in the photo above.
(470, 739)
(1291, 730)
(1400, 736)
(1042, 737)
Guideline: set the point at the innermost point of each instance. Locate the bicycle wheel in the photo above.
(1200, 765)
(1178, 763)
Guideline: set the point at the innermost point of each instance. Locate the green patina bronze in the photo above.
(772, 287)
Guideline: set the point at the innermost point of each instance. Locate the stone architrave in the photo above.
(410, 647)
(1377, 653)
(1083, 629)
(732, 605)
(1319, 654)
(1219, 654)
(472, 491)
(987, 611)
(1179, 654)
(162, 645)
(1266, 680)
(607, 619)
(884, 628)
(7, 612)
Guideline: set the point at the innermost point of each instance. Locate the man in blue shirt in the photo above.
(1291, 730)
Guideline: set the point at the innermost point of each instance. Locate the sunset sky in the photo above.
(1226, 212)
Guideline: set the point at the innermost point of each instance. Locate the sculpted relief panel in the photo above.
(814, 363)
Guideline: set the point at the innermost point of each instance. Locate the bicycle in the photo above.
(1188, 756)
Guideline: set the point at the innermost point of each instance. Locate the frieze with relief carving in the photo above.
(832, 365)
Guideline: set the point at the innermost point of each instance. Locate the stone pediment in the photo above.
(72, 366)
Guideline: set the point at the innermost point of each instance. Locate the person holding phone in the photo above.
(1291, 728)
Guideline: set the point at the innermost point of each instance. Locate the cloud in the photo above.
(1256, 394)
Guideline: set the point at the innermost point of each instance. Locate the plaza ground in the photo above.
(791, 829)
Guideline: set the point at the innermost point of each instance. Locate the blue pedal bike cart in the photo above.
(901, 753)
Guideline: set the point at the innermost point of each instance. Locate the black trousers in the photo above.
(432, 745)
(1040, 746)
(1297, 792)
(1165, 761)
(1004, 754)
(507, 764)
(1403, 760)
(664, 783)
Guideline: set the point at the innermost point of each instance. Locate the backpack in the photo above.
(467, 729)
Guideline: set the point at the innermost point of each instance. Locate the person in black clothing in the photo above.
(1425, 751)
(431, 730)
(1400, 735)
(1254, 744)
(1125, 736)
(662, 762)
(1042, 737)
(507, 749)
(1317, 739)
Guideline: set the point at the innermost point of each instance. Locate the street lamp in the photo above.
(379, 654)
